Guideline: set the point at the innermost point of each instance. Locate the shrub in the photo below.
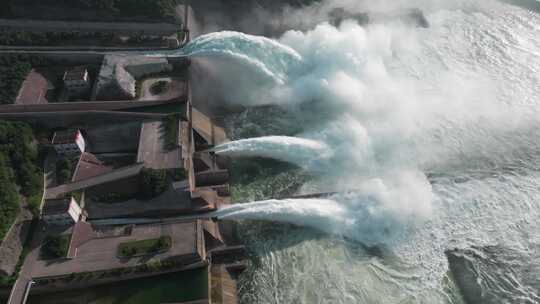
(170, 130)
(64, 169)
(152, 182)
(159, 87)
(55, 246)
(178, 174)
(133, 248)
(13, 71)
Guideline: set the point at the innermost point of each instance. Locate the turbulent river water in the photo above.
(436, 129)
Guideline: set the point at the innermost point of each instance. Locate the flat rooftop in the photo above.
(94, 248)
(65, 137)
(152, 151)
(56, 206)
(76, 73)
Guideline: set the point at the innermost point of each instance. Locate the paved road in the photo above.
(157, 29)
(117, 174)
(152, 150)
(87, 105)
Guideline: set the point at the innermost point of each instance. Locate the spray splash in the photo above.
(296, 150)
(461, 95)
(272, 59)
(369, 214)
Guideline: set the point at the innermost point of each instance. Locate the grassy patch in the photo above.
(34, 202)
(136, 248)
(170, 131)
(176, 287)
(55, 246)
(159, 87)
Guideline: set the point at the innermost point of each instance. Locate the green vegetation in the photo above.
(136, 248)
(176, 287)
(18, 169)
(64, 170)
(13, 71)
(170, 131)
(152, 182)
(28, 38)
(9, 198)
(77, 195)
(159, 87)
(55, 246)
(178, 174)
(91, 9)
(34, 202)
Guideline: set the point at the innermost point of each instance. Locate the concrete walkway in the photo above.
(117, 174)
(126, 28)
(87, 105)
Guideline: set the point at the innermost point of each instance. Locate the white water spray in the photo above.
(296, 150)
(459, 100)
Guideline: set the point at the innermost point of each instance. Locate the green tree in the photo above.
(153, 182)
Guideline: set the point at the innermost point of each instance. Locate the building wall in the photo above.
(72, 148)
(81, 143)
(64, 218)
(74, 210)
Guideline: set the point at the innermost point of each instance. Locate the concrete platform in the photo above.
(152, 150)
(96, 249)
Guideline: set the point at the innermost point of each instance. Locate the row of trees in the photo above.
(18, 169)
(13, 71)
(28, 38)
(121, 8)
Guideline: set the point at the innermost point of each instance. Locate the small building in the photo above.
(77, 81)
(70, 142)
(61, 211)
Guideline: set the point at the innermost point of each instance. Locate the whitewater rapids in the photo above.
(438, 127)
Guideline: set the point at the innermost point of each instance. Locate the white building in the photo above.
(76, 81)
(70, 142)
(62, 211)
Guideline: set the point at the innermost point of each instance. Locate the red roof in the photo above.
(33, 90)
(65, 137)
(89, 166)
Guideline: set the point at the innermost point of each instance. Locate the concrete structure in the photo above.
(61, 211)
(118, 74)
(89, 166)
(95, 248)
(112, 176)
(77, 81)
(152, 151)
(69, 142)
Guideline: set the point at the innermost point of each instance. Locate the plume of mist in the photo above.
(376, 212)
(384, 122)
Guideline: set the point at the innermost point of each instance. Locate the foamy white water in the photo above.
(296, 150)
(458, 101)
